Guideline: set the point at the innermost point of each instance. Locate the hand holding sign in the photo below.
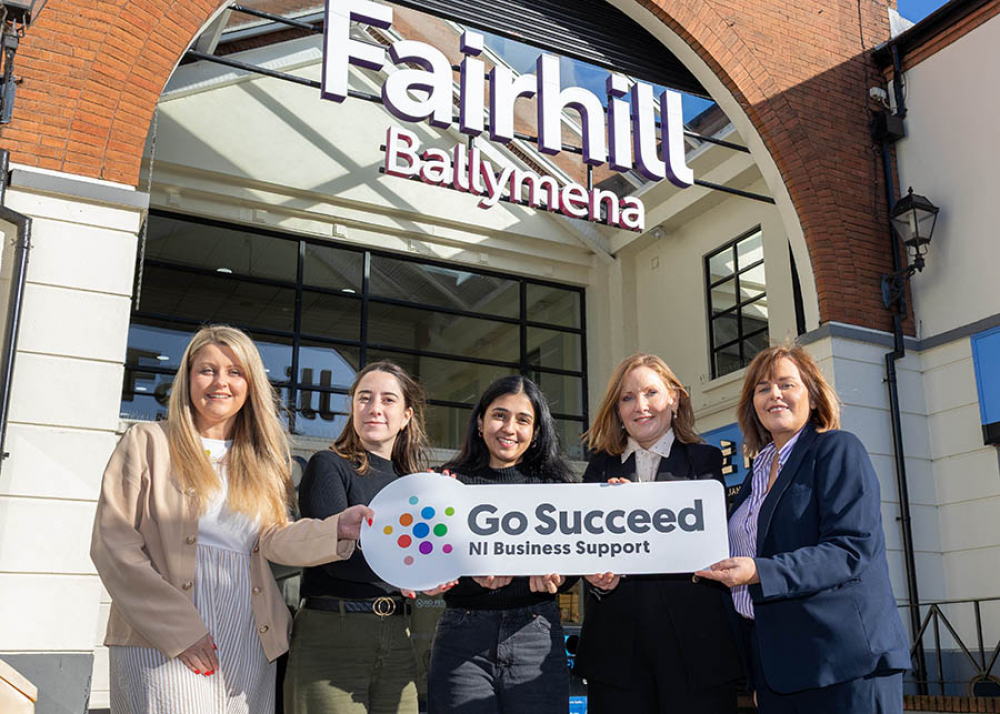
(430, 530)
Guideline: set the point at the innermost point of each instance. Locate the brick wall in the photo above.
(94, 69)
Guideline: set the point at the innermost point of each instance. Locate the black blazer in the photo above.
(698, 636)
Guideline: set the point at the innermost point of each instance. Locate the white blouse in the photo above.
(219, 527)
(647, 461)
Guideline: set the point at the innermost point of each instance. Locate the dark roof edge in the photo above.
(941, 19)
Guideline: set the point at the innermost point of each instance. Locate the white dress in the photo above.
(144, 681)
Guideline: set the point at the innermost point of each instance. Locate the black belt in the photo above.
(382, 606)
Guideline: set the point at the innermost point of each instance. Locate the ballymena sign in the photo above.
(422, 88)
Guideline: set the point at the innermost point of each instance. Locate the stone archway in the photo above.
(792, 78)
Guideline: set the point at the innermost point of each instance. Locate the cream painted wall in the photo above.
(63, 420)
(950, 155)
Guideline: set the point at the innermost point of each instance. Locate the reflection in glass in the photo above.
(754, 344)
(720, 266)
(553, 305)
(333, 268)
(564, 394)
(752, 283)
(328, 365)
(725, 328)
(446, 380)
(224, 249)
(438, 286)
(412, 328)
(331, 316)
(557, 350)
(446, 426)
(320, 413)
(750, 250)
(211, 299)
(724, 296)
(145, 395)
(727, 360)
(569, 438)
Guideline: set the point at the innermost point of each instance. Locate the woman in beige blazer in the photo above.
(190, 512)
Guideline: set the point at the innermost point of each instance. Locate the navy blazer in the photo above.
(824, 608)
(699, 640)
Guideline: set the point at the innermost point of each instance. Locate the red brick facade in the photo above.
(94, 69)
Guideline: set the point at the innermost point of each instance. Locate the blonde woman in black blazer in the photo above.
(655, 643)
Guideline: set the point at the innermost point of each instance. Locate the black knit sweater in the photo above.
(329, 485)
(471, 596)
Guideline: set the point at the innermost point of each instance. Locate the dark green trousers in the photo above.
(350, 663)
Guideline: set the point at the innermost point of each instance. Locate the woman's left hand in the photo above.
(546, 583)
(732, 572)
(349, 523)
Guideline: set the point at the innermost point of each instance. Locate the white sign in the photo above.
(429, 529)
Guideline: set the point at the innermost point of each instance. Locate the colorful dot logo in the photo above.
(422, 532)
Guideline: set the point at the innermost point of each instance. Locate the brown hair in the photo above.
(607, 433)
(409, 452)
(825, 413)
(260, 483)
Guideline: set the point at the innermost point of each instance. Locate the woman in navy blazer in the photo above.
(808, 572)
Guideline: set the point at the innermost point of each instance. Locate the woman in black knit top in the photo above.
(499, 644)
(350, 648)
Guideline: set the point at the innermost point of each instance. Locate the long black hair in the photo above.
(542, 459)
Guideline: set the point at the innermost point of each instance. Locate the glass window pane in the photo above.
(320, 413)
(754, 316)
(564, 394)
(727, 360)
(446, 380)
(224, 249)
(559, 350)
(396, 326)
(328, 365)
(438, 286)
(569, 438)
(211, 299)
(333, 268)
(553, 305)
(331, 316)
(754, 344)
(720, 265)
(750, 250)
(723, 296)
(145, 395)
(446, 426)
(752, 283)
(724, 329)
(156, 343)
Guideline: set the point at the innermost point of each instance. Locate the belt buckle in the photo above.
(383, 606)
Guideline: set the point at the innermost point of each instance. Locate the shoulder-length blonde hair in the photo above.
(825, 412)
(409, 452)
(607, 433)
(259, 461)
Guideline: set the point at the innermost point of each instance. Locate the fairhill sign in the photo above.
(630, 130)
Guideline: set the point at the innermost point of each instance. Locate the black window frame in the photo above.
(742, 338)
(295, 386)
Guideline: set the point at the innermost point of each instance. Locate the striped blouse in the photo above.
(743, 524)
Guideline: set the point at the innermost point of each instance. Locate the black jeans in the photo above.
(499, 662)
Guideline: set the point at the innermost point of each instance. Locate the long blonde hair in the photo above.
(607, 432)
(409, 452)
(259, 461)
(825, 412)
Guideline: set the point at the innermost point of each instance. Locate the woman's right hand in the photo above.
(493, 582)
(349, 523)
(443, 588)
(603, 581)
(617, 480)
(201, 657)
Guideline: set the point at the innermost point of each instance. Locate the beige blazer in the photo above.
(144, 541)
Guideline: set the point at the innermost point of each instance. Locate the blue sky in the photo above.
(917, 10)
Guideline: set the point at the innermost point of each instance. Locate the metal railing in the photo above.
(952, 666)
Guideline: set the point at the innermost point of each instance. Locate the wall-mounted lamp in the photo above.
(16, 16)
(913, 219)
